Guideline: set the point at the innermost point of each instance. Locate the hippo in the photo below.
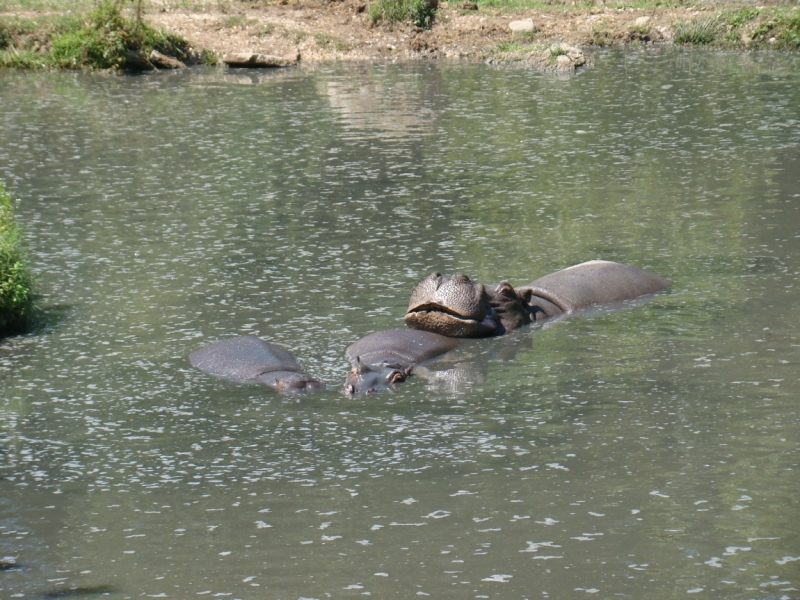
(379, 360)
(248, 359)
(384, 358)
(456, 306)
(441, 309)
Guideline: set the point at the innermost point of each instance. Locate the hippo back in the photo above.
(594, 282)
(399, 347)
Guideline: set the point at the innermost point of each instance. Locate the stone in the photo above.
(564, 63)
(468, 6)
(642, 21)
(522, 26)
(162, 61)
(135, 62)
(253, 60)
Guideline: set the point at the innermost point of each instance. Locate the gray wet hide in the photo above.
(385, 358)
(248, 359)
(594, 282)
(401, 348)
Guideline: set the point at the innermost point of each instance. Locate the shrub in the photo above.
(418, 12)
(16, 283)
(102, 40)
(699, 31)
(789, 38)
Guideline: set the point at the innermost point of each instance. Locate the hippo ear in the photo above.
(360, 368)
(505, 289)
(525, 295)
(400, 374)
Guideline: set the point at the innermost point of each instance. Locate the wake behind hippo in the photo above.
(459, 307)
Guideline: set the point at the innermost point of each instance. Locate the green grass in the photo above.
(236, 22)
(100, 39)
(698, 32)
(17, 306)
(418, 12)
(774, 27)
(324, 40)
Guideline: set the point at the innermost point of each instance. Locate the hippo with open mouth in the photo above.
(440, 310)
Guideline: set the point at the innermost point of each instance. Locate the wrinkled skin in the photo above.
(247, 359)
(454, 306)
(385, 358)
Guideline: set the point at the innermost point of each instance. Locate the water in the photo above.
(649, 452)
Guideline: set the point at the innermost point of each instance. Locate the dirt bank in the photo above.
(342, 30)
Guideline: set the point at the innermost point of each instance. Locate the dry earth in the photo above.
(342, 30)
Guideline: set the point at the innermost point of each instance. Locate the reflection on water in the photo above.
(644, 452)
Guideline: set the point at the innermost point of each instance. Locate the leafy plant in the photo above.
(741, 17)
(17, 304)
(789, 38)
(418, 12)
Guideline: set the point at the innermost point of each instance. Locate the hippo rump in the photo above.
(456, 306)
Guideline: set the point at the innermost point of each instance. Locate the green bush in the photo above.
(699, 31)
(101, 39)
(106, 37)
(418, 12)
(789, 38)
(16, 283)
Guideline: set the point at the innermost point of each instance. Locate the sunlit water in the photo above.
(649, 452)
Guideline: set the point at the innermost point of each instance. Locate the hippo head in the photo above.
(453, 305)
(368, 379)
(510, 306)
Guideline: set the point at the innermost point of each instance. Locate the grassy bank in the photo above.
(17, 306)
(103, 38)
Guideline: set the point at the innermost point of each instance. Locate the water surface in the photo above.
(648, 452)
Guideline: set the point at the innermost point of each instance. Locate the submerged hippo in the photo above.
(248, 359)
(379, 360)
(387, 357)
(440, 309)
(459, 307)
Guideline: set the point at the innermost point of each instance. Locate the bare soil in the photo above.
(342, 30)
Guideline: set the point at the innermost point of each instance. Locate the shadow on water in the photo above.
(43, 320)
(80, 592)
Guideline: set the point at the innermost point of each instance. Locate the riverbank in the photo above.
(347, 29)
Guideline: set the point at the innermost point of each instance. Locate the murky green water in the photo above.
(651, 452)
